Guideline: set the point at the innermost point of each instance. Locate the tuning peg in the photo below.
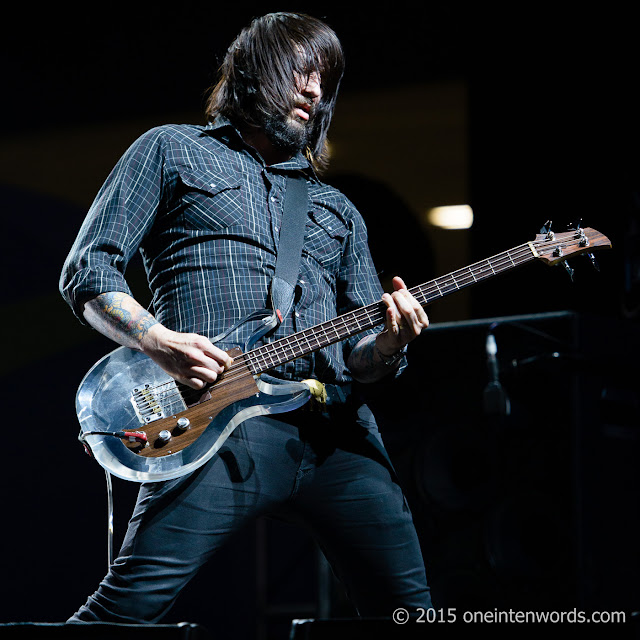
(546, 227)
(593, 261)
(569, 269)
(546, 230)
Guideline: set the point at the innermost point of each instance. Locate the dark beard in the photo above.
(286, 134)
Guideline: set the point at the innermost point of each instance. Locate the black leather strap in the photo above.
(294, 218)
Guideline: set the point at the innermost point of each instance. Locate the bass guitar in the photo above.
(140, 425)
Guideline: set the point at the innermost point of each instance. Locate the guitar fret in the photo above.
(483, 267)
(308, 343)
(336, 332)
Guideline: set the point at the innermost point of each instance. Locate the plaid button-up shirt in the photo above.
(205, 211)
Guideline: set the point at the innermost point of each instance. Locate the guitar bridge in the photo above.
(153, 402)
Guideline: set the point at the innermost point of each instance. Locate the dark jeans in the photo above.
(331, 476)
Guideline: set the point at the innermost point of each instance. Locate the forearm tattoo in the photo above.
(135, 324)
(365, 363)
(363, 356)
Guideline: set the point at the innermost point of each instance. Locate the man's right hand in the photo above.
(190, 358)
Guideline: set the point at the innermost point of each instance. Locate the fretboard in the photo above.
(299, 344)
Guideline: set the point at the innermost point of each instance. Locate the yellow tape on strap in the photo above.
(318, 392)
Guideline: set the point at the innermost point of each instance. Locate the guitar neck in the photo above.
(299, 344)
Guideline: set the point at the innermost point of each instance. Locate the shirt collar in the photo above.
(223, 128)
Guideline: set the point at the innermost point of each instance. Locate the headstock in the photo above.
(554, 248)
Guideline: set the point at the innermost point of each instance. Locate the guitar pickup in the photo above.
(153, 402)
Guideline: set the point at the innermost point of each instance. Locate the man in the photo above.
(204, 205)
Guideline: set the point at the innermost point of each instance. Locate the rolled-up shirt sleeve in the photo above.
(117, 222)
(358, 283)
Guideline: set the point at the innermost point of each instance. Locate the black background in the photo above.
(551, 128)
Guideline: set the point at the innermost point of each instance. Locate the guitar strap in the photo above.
(292, 228)
(289, 251)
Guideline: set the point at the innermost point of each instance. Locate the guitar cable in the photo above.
(109, 519)
(133, 436)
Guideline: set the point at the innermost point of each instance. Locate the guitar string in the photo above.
(461, 278)
(454, 281)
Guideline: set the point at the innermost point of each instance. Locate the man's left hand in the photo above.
(405, 319)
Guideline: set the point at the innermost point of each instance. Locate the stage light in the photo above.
(451, 217)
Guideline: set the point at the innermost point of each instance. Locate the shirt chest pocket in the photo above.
(324, 240)
(210, 201)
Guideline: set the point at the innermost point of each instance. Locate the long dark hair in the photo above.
(257, 75)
